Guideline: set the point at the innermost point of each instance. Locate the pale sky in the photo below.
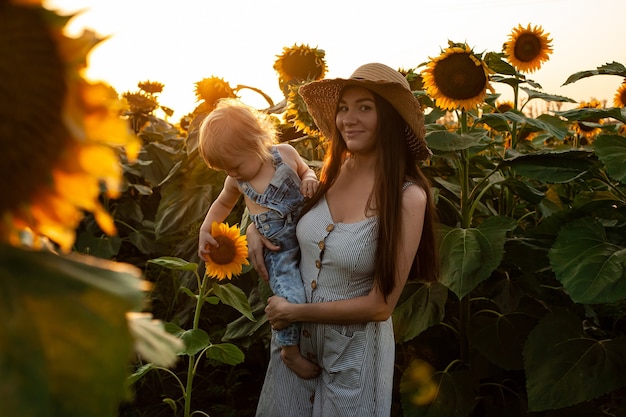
(180, 42)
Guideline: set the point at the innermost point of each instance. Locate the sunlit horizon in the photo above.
(180, 43)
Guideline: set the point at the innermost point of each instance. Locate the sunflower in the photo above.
(298, 115)
(418, 382)
(528, 48)
(227, 259)
(620, 96)
(151, 87)
(504, 106)
(210, 90)
(415, 79)
(458, 78)
(60, 133)
(587, 128)
(298, 64)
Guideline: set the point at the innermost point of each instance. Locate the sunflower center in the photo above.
(458, 77)
(225, 253)
(33, 136)
(527, 47)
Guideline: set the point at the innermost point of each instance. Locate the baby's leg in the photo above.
(294, 360)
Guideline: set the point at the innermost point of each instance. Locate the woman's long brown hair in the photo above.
(396, 166)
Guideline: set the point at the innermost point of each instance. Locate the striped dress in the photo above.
(357, 360)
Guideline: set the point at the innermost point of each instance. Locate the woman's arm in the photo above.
(373, 306)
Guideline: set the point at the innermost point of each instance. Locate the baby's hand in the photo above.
(309, 186)
(205, 241)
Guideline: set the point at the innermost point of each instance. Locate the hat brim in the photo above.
(321, 99)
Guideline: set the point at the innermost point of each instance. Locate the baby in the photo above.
(274, 181)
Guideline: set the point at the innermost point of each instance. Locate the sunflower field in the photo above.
(108, 310)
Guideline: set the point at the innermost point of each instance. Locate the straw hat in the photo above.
(321, 98)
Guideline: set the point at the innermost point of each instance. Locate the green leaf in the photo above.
(564, 367)
(613, 68)
(195, 340)
(140, 373)
(455, 396)
(226, 353)
(593, 114)
(234, 297)
(471, 255)
(64, 339)
(524, 190)
(592, 269)
(448, 141)
(532, 94)
(552, 166)
(552, 125)
(423, 308)
(174, 263)
(611, 150)
(501, 337)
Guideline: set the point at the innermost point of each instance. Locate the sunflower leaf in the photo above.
(195, 340)
(448, 141)
(226, 353)
(554, 167)
(564, 367)
(64, 317)
(472, 254)
(234, 296)
(613, 68)
(426, 303)
(611, 150)
(590, 267)
(172, 262)
(532, 94)
(593, 114)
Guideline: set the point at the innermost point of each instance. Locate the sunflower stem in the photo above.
(191, 366)
(466, 222)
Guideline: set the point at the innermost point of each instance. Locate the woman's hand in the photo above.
(256, 243)
(275, 311)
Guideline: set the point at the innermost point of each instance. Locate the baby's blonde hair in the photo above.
(232, 129)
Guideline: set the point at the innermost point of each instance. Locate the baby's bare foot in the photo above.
(302, 367)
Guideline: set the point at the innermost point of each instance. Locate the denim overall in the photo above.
(284, 201)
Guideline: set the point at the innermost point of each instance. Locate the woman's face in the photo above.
(357, 119)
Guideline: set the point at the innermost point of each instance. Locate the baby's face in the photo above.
(243, 167)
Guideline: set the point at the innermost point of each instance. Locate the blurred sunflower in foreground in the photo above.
(528, 48)
(60, 133)
(457, 79)
(229, 257)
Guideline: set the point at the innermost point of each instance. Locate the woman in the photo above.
(367, 230)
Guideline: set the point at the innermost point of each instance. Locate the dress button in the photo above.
(306, 333)
(321, 245)
(318, 264)
(312, 398)
(266, 227)
(314, 284)
(330, 227)
(263, 217)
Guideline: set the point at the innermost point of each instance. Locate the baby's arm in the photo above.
(219, 210)
(308, 179)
